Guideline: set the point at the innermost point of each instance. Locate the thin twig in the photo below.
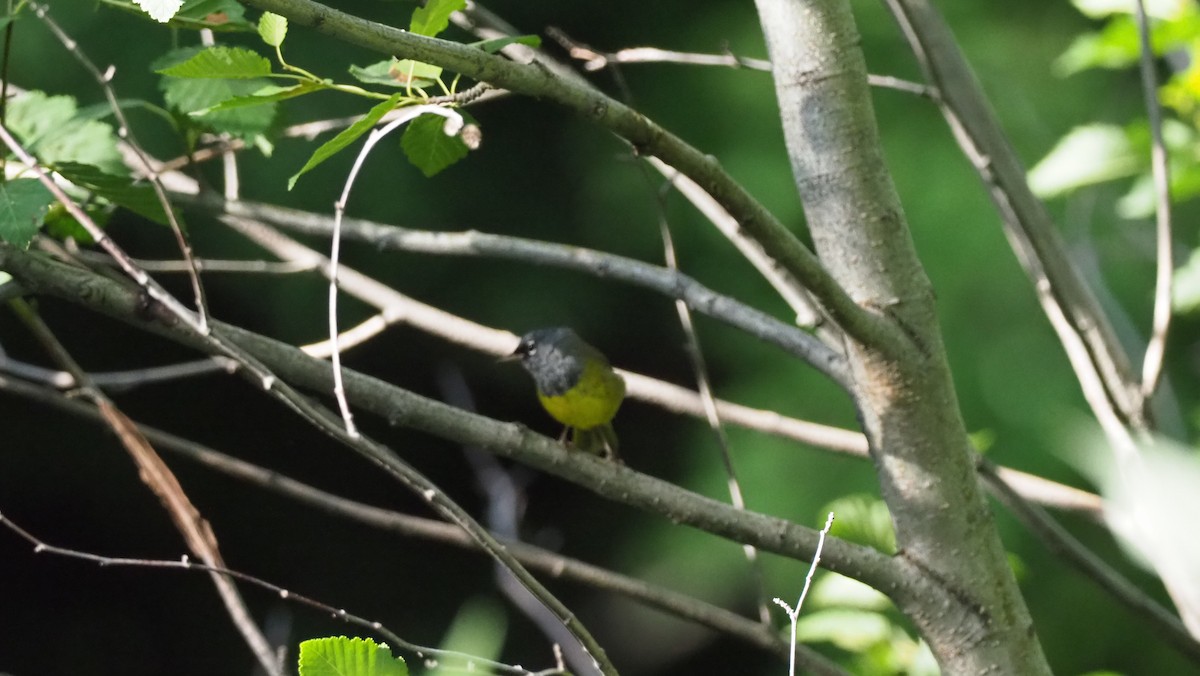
(1064, 545)
(554, 564)
(456, 659)
(473, 243)
(126, 133)
(594, 60)
(1029, 228)
(794, 613)
(138, 275)
(703, 385)
(454, 123)
(196, 531)
(396, 307)
(1152, 365)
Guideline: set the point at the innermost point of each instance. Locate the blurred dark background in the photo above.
(544, 173)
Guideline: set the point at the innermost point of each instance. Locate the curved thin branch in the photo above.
(406, 409)
(1029, 228)
(537, 558)
(670, 283)
(646, 136)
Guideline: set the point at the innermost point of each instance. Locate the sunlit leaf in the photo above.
(863, 519)
(346, 137)
(160, 10)
(53, 130)
(229, 63)
(272, 28)
(1085, 156)
(434, 17)
(853, 630)
(1186, 285)
(398, 73)
(342, 656)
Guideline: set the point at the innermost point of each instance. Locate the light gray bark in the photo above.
(906, 396)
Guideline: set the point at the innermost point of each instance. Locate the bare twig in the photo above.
(1152, 365)
(196, 531)
(472, 243)
(454, 659)
(703, 385)
(454, 123)
(1064, 545)
(594, 60)
(794, 613)
(126, 133)
(1039, 248)
(138, 275)
(549, 562)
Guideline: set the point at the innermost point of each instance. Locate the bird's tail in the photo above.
(601, 441)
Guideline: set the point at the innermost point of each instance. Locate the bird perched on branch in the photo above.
(576, 385)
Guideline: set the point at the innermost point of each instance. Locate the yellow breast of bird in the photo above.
(591, 402)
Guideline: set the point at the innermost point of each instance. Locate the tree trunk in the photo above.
(905, 392)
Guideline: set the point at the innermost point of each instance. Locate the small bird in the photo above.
(576, 385)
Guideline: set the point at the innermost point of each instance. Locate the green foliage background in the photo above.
(544, 173)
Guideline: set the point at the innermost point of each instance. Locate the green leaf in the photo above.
(199, 97)
(427, 146)
(832, 590)
(229, 63)
(1186, 292)
(397, 73)
(23, 206)
(496, 44)
(120, 190)
(863, 519)
(268, 94)
(1087, 155)
(272, 28)
(852, 630)
(160, 10)
(60, 224)
(434, 17)
(342, 656)
(346, 137)
(53, 129)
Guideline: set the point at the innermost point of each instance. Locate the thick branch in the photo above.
(907, 400)
(400, 407)
(646, 136)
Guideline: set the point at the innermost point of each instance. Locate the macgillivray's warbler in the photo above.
(576, 385)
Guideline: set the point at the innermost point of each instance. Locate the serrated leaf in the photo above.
(221, 62)
(23, 206)
(434, 17)
(496, 44)
(53, 130)
(160, 10)
(346, 137)
(268, 94)
(1087, 155)
(200, 98)
(120, 190)
(427, 146)
(272, 28)
(342, 656)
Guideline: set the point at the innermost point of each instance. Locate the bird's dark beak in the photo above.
(516, 354)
